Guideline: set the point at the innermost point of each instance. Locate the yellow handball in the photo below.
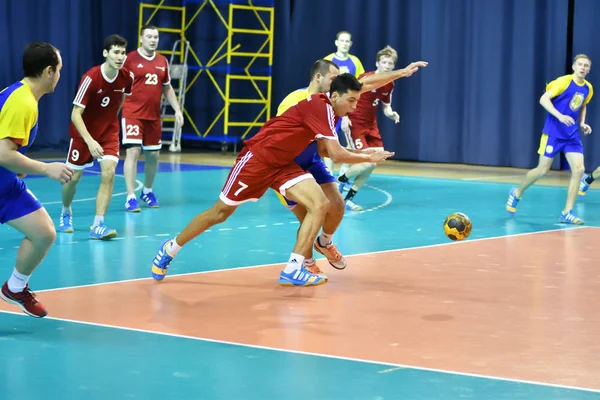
(457, 226)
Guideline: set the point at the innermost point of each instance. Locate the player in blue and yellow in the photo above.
(321, 75)
(346, 62)
(565, 100)
(19, 208)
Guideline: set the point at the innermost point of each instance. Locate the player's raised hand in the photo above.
(395, 117)
(59, 172)
(380, 155)
(567, 120)
(95, 149)
(586, 129)
(414, 67)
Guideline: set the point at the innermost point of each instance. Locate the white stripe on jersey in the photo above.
(331, 117)
(82, 89)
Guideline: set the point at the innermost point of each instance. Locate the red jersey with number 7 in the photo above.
(101, 97)
(151, 74)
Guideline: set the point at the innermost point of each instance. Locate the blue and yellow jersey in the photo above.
(18, 122)
(567, 97)
(292, 99)
(350, 64)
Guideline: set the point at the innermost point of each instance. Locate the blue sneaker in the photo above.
(511, 203)
(569, 218)
(102, 232)
(132, 205)
(66, 223)
(583, 185)
(161, 262)
(300, 277)
(150, 199)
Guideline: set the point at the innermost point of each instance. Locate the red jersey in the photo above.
(101, 97)
(151, 74)
(283, 138)
(365, 114)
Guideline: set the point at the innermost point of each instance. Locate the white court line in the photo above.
(449, 243)
(307, 353)
(139, 185)
(485, 178)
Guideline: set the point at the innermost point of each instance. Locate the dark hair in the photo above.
(322, 67)
(37, 57)
(114, 40)
(337, 36)
(147, 26)
(343, 83)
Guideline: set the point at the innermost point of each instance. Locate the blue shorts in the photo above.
(310, 161)
(17, 201)
(550, 146)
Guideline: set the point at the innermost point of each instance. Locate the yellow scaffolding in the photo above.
(259, 78)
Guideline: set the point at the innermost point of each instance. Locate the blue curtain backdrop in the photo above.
(476, 103)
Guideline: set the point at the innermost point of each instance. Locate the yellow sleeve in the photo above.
(590, 94)
(359, 67)
(17, 119)
(291, 100)
(329, 57)
(559, 85)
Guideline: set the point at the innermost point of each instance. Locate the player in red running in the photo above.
(267, 161)
(94, 132)
(141, 122)
(363, 127)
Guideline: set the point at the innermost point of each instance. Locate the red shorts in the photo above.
(249, 179)
(144, 132)
(79, 156)
(365, 138)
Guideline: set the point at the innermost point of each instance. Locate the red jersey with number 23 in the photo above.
(284, 137)
(101, 97)
(151, 74)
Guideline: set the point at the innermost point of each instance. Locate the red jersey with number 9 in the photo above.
(101, 97)
(151, 74)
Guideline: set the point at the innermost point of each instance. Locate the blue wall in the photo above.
(476, 103)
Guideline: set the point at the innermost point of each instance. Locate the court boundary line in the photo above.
(452, 243)
(313, 354)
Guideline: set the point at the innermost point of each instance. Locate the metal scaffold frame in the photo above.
(227, 51)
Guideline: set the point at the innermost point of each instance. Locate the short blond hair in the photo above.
(387, 51)
(578, 56)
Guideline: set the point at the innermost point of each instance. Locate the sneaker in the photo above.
(102, 232)
(132, 205)
(161, 262)
(583, 185)
(66, 222)
(569, 218)
(344, 187)
(314, 269)
(335, 258)
(150, 199)
(25, 300)
(352, 206)
(300, 277)
(511, 203)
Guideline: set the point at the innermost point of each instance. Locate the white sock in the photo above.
(309, 261)
(67, 210)
(98, 219)
(173, 247)
(325, 239)
(147, 190)
(131, 196)
(17, 281)
(295, 263)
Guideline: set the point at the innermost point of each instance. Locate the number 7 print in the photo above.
(243, 186)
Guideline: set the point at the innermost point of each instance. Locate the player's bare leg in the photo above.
(132, 155)
(68, 194)
(217, 214)
(575, 161)
(150, 169)
(107, 180)
(40, 234)
(324, 243)
(361, 173)
(529, 179)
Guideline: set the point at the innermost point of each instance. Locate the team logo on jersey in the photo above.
(161, 68)
(99, 91)
(140, 65)
(576, 101)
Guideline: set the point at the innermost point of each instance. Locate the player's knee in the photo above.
(45, 235)
(542, 170)
(577, 170)
(220, 214)
(320, 205)
(108, 176)
(336, 205)
(151, 155)
(133, 152)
